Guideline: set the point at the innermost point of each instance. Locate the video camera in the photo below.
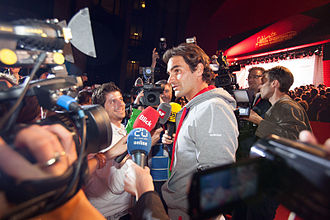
(41, 43)
(294, 173)
(151, 90)
(225, 77)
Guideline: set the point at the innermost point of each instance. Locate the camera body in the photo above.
(294, 173)
(225, 76)
(151, 94)
(243, 103)
(151, 90)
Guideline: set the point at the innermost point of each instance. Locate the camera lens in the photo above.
(151, 98)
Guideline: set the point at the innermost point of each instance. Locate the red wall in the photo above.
(326, 72)
(214, 20)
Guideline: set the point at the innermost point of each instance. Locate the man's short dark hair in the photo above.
(192, 55)
(99, 94)
(283, 75)
(256, 68)
(84, 97)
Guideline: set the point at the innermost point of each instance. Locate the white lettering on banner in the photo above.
(145, 120)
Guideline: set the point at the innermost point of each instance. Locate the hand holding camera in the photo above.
(51, 146)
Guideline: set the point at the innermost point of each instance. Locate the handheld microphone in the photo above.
(171, 121)
(139, 145)
(164, 110)
(134, 115)
(147, 119)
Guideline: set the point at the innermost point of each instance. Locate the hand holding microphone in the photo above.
(147, 119)
(166, 139)
(118, 149)
(171, 121)
(169, 133)
(139, 145)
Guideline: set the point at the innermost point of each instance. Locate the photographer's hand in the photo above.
(254, 117)
(44, 143)
(137, 100)
(307, 136)
(155, 56)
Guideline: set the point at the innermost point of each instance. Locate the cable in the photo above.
(40, 59)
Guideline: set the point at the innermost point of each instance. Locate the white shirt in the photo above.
(105, 187)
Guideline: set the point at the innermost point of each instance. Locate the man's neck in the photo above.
(197, 89)
(117, 123)
(276, 96)
(253, 91)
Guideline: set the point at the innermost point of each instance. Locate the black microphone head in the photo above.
(164, 110)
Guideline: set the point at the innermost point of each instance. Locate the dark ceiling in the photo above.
(212, 21)
(217, 24)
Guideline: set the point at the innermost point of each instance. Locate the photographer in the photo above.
(285, 118)
(54, 150)
(260, 106)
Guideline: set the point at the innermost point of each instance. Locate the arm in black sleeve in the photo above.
(149, 206)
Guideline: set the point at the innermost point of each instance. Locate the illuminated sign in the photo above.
(276, 33)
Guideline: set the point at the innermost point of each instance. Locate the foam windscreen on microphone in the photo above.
(164, 110)
(139, 140)
(147, 119)
(130, 123)
(175, 109)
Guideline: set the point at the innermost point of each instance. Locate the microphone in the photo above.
(147, 119)
(164, 110)
(134, 115)
(139, 145)
(171, 121)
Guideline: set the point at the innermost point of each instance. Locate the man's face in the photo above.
(254, 80)
(14, 70)
(266, 88)
(115, 106)
(166, 96)
(181, 78)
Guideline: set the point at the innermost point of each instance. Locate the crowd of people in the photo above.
(207, 135)
(315, 100)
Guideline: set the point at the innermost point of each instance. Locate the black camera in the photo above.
(151, 91)
(225, 77)
(294, 173)
(37, 43)
(95, 122)
(243, 103)
(151, 94)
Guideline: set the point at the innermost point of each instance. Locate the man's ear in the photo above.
(199, 69)
(276, 83)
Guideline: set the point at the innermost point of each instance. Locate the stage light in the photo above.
(143, 4)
